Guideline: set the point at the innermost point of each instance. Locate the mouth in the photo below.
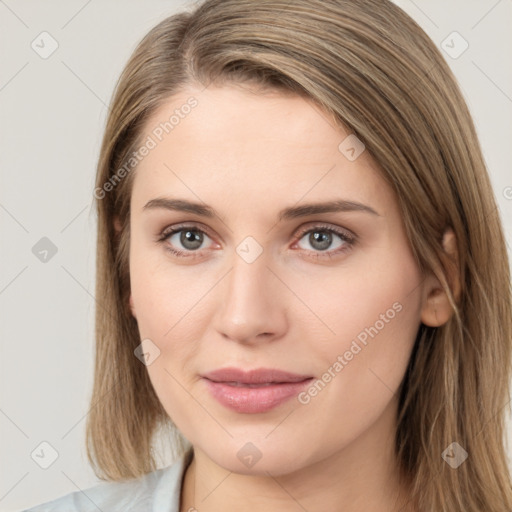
(259, 376)
(254, 391)
(247, 385)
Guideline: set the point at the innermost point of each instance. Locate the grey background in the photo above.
(53, 112)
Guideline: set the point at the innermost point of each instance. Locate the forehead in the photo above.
(262, 147)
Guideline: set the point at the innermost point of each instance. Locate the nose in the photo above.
(252, 303)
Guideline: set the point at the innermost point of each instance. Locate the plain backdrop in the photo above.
(52, 115)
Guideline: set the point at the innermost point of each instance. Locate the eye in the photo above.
(320, 238)
(190, 238)
(186, 241)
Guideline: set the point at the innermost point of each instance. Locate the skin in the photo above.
(248, 155)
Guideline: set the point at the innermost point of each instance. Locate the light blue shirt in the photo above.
(158, 491)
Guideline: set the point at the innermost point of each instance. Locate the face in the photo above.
(333, 297)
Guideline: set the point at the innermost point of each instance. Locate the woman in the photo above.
(294, 223)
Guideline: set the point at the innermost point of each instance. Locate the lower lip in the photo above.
(254, 399)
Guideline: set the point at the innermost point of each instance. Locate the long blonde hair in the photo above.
(374, 70)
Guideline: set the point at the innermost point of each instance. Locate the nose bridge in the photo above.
(248, 280)
(250, 304)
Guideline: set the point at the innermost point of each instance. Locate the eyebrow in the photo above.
(292, 212)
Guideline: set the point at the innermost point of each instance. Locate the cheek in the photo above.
(170, 305)
(162, 292)
(167, 309)
(375, 315)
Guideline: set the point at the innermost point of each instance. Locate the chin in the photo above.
(247, 458)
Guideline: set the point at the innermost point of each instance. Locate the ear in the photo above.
(117, 224)
(437, 309)
(132, 307)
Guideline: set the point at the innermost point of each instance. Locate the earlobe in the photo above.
(117, 224)
(437, 309)
(132, 307)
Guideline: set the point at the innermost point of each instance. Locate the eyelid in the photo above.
(300, 233)
(169, 230)
(343, 232)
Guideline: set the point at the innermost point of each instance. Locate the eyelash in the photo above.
(348, 240)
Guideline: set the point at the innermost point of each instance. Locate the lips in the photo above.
(254, 391)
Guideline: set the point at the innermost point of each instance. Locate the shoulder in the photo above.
(159, 490)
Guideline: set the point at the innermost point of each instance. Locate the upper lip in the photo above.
(257, 376)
